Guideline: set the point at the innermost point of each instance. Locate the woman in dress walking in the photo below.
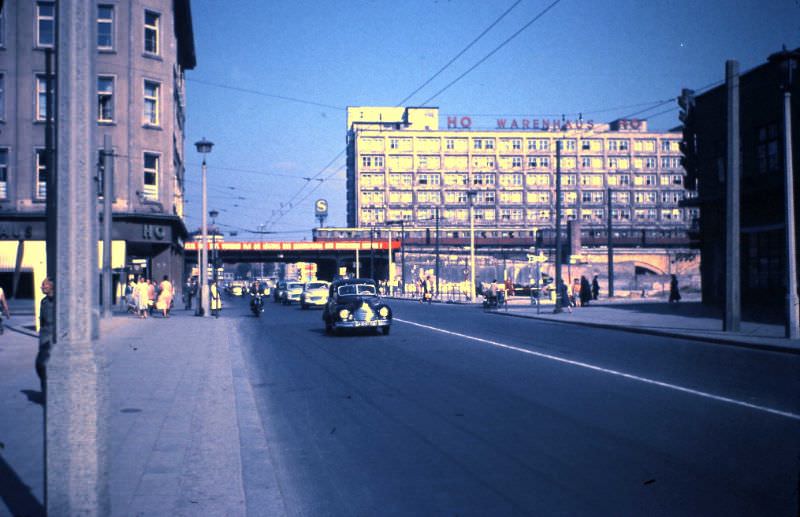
(165, 295)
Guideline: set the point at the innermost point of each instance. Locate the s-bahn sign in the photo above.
(295, 246)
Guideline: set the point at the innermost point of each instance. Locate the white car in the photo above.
(314, 294)
(292, 293)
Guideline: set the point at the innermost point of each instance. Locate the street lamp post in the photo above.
(214, 255)
(437, 250)
(787, 63)
(204, 147)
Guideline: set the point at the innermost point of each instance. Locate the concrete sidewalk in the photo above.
(654, 316)
(183, 428)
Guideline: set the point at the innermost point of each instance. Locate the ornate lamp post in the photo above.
(204, 147)
(787, 64)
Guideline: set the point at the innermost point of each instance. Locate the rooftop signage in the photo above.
(543, 124)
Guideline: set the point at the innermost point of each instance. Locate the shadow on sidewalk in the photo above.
(17, 495)
(695, 310)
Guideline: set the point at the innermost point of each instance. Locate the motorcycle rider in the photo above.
(255, 294)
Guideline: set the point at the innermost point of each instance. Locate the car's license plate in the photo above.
(366, 323)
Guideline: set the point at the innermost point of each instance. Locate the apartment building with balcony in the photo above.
(142, 50)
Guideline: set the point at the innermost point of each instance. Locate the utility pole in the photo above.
(50, 167)
(558, 307)
(787, 63)
(108, 189)
(76, 411)
(610, 246)
(733, 297)
(403, 256)
(472, 294)
(436, 211)
(390, 278)
(371, 253)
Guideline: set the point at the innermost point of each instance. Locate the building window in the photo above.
(767, 149)
(622, 198)
(151, 94)
(45, 24)
(41, 98)
(569, 179)
(151, 25)
(393, 144)
(105, 27)
(488, 144)
(516, 144)
(41, 174)
(105, 99)
(428, 179)
(650, 162)
(477, 144)
(538, 180)
(151, 167)
(3, 173)
(569, 144)
(516, 161)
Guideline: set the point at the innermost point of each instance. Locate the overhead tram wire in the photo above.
(264, 94)
(461, 53)
(493, 52)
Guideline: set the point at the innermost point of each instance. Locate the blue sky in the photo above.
(602, 58)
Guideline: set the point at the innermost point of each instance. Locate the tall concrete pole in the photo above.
(203, 276)
(558, 307)
(610, 245)
(391, 268)
(108, 182)
(472, 293)
(437, 250)
(792, 318)
(733, 297)
(403, 255)
(76, 415)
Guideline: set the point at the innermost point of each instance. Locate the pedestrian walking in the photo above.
(189, 292)
(47, 315)
(216, 300)
(427, 290)
(674, 293)
(562, 296)
(151, 296)
(595, 288)
(5, 310)
(576, 292)
(165, 295)
(585, 291)
(141, 296)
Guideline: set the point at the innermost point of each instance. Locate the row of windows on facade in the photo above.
(516, 144)
(151, 166)
(543, 215)
(106, 22)
(647, 197)
(151, 103)
(516, 162)
(518, 180)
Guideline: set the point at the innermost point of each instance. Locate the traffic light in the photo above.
(688, 144)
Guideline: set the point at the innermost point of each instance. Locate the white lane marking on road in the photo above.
(787, 414)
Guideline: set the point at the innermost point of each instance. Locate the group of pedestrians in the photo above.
(144, 296)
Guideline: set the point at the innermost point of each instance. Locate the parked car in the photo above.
(291, 293)
(354, 303)
(314, 294)
(277, 293)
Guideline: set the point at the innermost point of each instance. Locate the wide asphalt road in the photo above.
(458, 412)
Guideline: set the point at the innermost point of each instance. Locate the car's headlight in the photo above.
(344, 314)
(384, 312)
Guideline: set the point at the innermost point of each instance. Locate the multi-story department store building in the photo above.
(403, 166)
(142, 50)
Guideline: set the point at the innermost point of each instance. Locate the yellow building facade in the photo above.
(402, 166)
